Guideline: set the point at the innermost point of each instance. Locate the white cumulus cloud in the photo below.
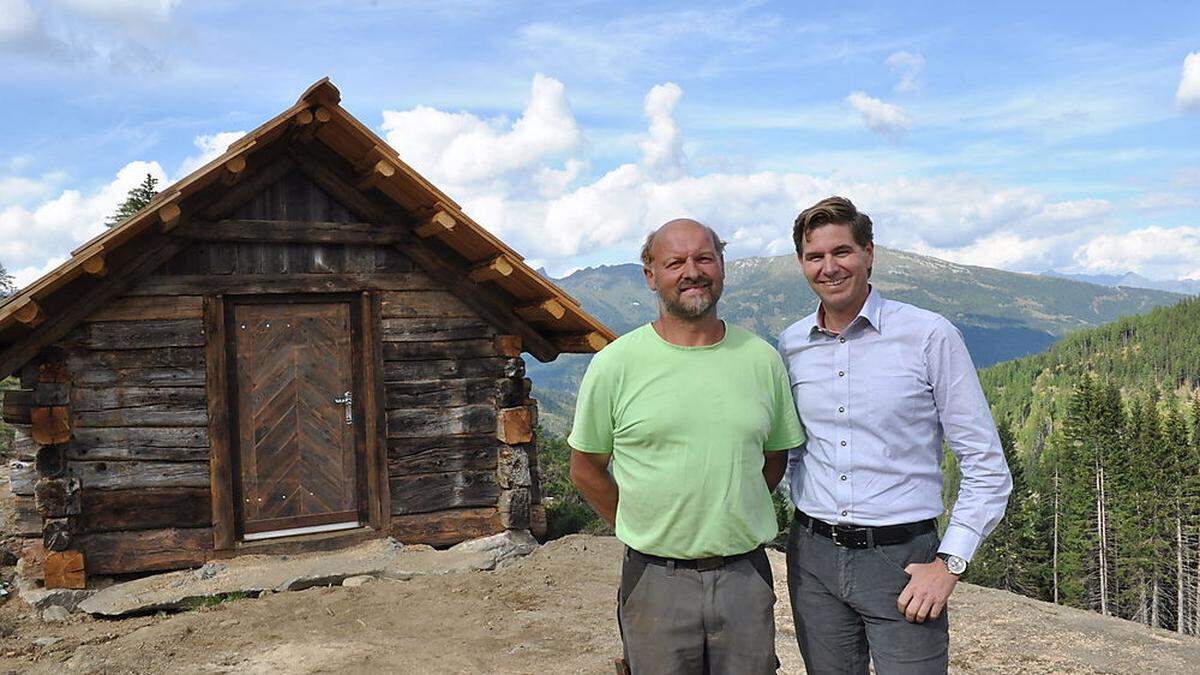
(908, 66)
(459, 148)
(32, 238)
(662, 153)
(886, 119)
(1188, 94)
(210, 146)
(1155, 251)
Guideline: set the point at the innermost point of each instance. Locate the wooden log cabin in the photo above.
(301, 345)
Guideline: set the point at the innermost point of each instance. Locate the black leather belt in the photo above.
(699, 564)
(856, 536)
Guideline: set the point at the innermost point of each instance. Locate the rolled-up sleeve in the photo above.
(970, 432)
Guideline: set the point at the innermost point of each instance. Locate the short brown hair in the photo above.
(832, 211)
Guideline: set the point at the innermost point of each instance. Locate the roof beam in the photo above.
(169, 212)
(61, 323)
(491, 305)
(546, 310)
(95, 265)
(29, 313)
(496, 268)
(440, 223)
(580, 343)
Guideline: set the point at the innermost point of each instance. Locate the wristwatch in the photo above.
(955, 564)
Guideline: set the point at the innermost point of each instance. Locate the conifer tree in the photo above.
(136, 200)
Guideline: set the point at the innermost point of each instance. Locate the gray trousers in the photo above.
(844, 605)
(680, 620)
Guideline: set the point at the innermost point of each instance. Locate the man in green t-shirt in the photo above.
(695, 417)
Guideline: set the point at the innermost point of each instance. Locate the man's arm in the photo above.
(589, 475)
(967, 424)
(774, 465)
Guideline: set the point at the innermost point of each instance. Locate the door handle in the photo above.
(347, 399)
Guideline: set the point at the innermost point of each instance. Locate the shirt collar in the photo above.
(871, 312)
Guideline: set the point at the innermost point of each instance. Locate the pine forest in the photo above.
(1102, 432)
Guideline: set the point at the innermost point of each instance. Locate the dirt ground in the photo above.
(551, 612)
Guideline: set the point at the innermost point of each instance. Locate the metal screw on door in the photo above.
(347, 399)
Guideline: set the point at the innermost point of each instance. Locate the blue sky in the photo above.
(1023, 136)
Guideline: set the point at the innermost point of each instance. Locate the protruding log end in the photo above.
(508, 345)
(64, 569)
(439, 223)
(581, 343)
(169, 213)
(95, 265)
(29, 313)
(547, 310)
(496, 268)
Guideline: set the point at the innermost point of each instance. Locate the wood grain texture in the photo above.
(438, 491)
(296, 452)
(129, 475)
(446, 528)
(145, 509)
(219, 431)
(145, 551)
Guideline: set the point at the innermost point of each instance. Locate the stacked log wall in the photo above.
(137, 446)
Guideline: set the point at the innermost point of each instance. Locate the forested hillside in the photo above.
(1103, 432)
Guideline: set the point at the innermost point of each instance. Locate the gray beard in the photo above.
(689, 310)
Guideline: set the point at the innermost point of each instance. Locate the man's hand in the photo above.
(927, 591)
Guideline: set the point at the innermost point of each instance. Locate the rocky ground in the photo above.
(549, 612)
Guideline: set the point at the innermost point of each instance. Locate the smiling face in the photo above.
(837, 268)
(685, 270)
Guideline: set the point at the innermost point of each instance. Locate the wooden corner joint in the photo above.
(509, 345)
(95, 265)
(514, 425)
(234, 169)
(64, 569)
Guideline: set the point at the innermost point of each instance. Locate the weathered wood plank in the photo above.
(403, 447)
(375, 424)
(149, 308)
(442, 369)
(219, 432)
(439, 393)
(438, 491)
(174, 444)
(17, 403)
(80, 361)
(442, 460)
(145, 551)
(165, 376)
(398, 304)
(106, 335)
(121, 406)
(423, 329)
(145, 509)
(157, 251)
(298, 231)
(282, 283)
(472, 419)
(446, 528)
(128, 475)
(426, 351)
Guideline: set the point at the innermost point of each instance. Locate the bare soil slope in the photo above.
(551, 612)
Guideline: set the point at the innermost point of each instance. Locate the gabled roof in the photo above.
(375, 182)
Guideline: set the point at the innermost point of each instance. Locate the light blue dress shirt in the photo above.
(876, 401)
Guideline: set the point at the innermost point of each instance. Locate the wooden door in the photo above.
(296, 441)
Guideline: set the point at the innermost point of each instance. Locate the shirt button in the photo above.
(843, 476)
(843, 444)
(844, 513)
(841, 339)
(841, 408)
(841, 373)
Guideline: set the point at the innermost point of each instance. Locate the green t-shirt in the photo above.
(687, 428)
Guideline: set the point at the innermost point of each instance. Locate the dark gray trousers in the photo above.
(680, 620)
(844, 605)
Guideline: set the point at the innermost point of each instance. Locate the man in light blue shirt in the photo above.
(879, 385)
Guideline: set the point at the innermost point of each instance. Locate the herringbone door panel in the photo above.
(295, 447)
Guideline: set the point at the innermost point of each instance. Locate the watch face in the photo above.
(955, 564)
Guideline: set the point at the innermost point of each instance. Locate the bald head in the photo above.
(678, 225)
